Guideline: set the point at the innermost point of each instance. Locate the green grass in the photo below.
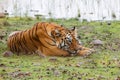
(104, 64)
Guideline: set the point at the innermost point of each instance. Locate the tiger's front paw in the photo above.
(85, 52)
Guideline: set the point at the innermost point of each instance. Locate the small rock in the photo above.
(56, 73)
(97, 42)
(1, 37)
(79, 64)
(7, 54)
(84, 27)
(2, 65)
(20, 74)
(53, 59)
(100, 77)
(36, 64)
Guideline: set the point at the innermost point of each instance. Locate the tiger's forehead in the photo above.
(68, 35)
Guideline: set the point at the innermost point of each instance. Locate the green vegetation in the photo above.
(104, 64)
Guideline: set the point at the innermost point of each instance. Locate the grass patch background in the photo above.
(104, 64)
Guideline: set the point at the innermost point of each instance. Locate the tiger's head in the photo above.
(67, 39)
(71, 42)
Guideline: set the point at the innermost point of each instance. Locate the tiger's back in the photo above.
(38, 37)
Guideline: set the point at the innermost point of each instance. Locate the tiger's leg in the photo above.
(53, 51)
(85, 51)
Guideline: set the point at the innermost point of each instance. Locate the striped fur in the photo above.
(45, 38)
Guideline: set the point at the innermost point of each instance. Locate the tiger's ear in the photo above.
(62, 25)
(73, 28)
(74, 31)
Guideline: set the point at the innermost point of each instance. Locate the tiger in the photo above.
(46, 38)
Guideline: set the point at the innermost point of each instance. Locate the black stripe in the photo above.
(20, 41)
(17, 45)
(37, 35)
(30, 37)
(47, 32)
(24, 42)
(13, 43)
(10, 43)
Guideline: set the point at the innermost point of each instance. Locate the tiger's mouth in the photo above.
(73, 51)
(66, 47)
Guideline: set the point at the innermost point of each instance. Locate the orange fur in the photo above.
(44, 38)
